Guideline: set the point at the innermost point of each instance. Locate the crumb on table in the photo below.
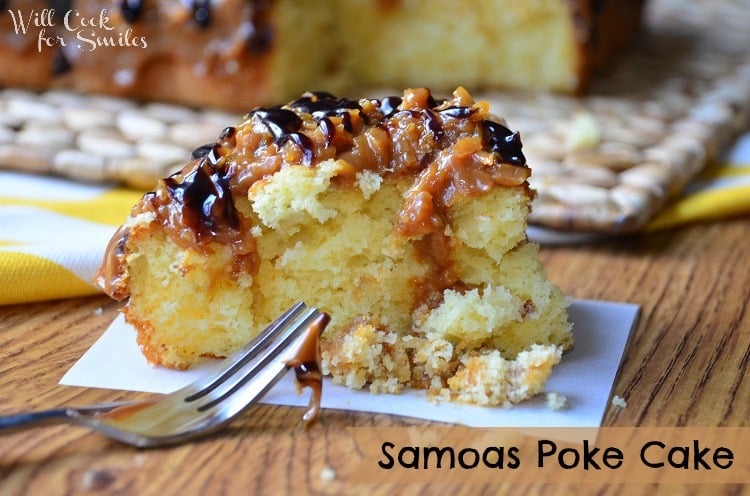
(619, 401)
(556, 401)
(327, 474)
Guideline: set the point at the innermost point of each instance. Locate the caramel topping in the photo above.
(109, 273)
(306, 365)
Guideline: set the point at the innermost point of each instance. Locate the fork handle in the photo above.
(21, 421)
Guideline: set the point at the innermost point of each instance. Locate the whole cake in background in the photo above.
(404, 218)
(238, 53)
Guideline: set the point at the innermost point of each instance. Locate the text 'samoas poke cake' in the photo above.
(404, 218)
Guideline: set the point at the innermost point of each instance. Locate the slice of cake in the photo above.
(403, 218)
(556, 45)
(232, 53)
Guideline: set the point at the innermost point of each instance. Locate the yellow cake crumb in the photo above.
(555, 400)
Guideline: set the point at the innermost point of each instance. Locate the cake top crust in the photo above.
(453, 146)
(441, 150)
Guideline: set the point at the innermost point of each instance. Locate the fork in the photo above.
(199, 408)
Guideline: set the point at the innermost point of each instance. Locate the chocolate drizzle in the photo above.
(206, 204)
(228, 133)
(285, 126)
(506, 143)
(432, 102)
(280, 122)
(202, 151)
(457, 112)
(201, 12)
(329, 129)
(60, 63)
(60, 7)
(260, 31)
(389, 105)
(131, 10)
(435, 124)
(321, 104)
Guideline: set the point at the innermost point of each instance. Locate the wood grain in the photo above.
(685, 365)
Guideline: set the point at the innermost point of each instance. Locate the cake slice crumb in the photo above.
(556, 401)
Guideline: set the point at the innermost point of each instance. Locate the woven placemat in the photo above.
(101, 138)
(605, 163)
(608, 162)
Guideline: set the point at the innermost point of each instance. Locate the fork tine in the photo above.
(250, 368)
(247, 353)
(207, 404)
(255, 384)
(221, 402)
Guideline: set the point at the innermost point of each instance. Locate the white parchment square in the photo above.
(585, 377)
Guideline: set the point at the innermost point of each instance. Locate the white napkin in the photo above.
(585, 377)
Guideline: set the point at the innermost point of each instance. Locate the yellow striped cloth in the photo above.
(722, 190)
(53, 232)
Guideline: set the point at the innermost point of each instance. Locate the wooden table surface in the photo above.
(685, 366)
